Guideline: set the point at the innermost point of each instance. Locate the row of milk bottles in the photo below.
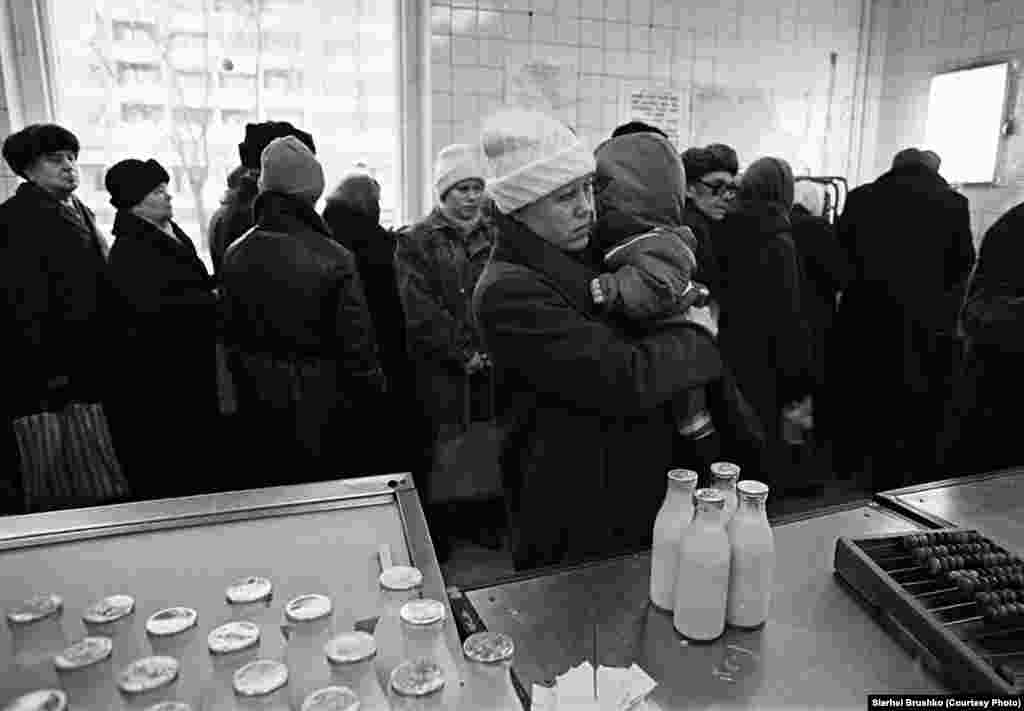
(713, 555)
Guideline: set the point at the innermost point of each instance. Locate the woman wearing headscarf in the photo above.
(763, 332)
(590, 425)
(710, 190)
(439, 262)
(167, 315)
(297, 318)
(53, 276)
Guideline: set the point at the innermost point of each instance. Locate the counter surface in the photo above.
(819, 649)
(991, 503)
(319, 538)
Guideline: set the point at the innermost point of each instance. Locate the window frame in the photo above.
(28, 62)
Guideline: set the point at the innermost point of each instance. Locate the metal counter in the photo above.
(315, 538)
(991, 503)
(819, 649)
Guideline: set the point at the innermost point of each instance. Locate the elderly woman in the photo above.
(710, 189)
(590, 420)
(763, 334)
(167, 315)
(298, 321)
(53, 274)
(439, 262)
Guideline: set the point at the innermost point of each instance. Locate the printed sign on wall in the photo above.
(662, 107)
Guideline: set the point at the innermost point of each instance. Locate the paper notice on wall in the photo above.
(662, 107)
(540, 84)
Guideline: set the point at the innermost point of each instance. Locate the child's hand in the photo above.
(596, 291)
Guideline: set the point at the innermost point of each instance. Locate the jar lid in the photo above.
(725, 470)
(306, 608)
(148, 674)
(170, 706)
(36, 608)
(249, 589)
(42, 700)
(752, 487)
(109, 609)
(488, 647)
(684, 476)
(171, 621)
(350, 648)
(233, 637)
(422, 612)
(710, 497)
(401, 577)
(332, 698)
(84, 653)
(260, 678)
(417, 677)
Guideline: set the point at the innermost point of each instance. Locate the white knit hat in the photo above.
(530, 155)
(455, 163)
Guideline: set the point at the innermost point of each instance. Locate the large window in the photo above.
(965, 116)
(131, 80)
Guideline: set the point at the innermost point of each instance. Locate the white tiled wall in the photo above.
(929, 36)
(760, 68)
(8, 180)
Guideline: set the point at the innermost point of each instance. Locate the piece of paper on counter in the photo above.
(618, 689)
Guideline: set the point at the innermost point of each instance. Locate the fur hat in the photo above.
(22, 148)
(130, 181)
(259, 135)
(530, 155)
(455, 163)
(288, 166)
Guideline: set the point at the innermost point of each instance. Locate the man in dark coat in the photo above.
(988, 390)
(589, 420)
(825, 271)
(235, 216)
(353, 214)
(53, 275)
(167, 314)
(297, 319)
(908, 235)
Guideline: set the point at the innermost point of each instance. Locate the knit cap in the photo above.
(288, 166)
(530, 155)
(129, 181)
(455, 163)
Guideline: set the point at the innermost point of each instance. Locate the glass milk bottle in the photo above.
(673, 518)
(753, 558)
(398, 585)
(724, 476)
(351, 655)
(423, 626)
(488, 684)
(702, 585)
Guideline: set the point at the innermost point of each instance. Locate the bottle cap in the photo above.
(260, 678)
(422, 612)
(417, 677)
(725, 470)
(306, 608)
(488, 647)
(350, 648)
(401, 577)
(42, 700)
(332, 698)
(683, 476)
(752, 487)
(710, 497)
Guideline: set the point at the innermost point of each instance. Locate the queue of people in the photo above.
(616, 311)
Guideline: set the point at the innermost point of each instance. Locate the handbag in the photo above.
(465, 463)
(68, 459)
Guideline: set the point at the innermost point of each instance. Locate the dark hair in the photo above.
(906, 158)
(698, 162)
(243, 185)
(637, 127)
(21, 149)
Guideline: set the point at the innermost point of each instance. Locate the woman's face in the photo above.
(156, 206)
(464, 199)
(55, 172)
(712, 193)
(565, 217)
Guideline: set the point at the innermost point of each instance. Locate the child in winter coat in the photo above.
(648, 251)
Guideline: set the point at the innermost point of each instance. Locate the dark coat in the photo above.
(908, 236)
(230, 221)
(825, 271)
(589, 421)
(708, 272)
(374, 250)
(56, 305)
(763, 332)
(438, 269)
(989, 388)
(304, 354)
(167, 313)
